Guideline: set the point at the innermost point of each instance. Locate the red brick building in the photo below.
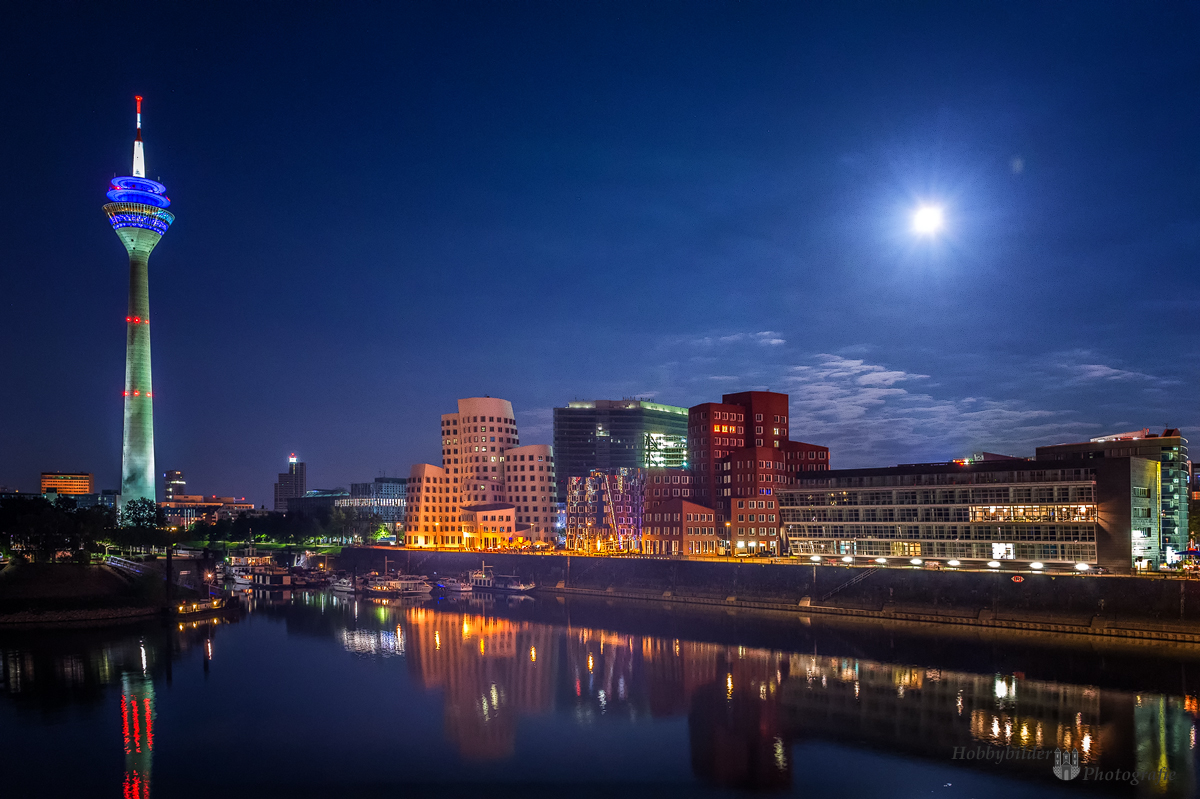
(741, 454)
(681, 527)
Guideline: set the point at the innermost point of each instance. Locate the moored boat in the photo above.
(453, 585)
(485, 579)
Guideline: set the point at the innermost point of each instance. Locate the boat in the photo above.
(484, 579)
(396, 585)
(201, 607)
(453, 585)
(241, 567)
(344, 585)
(270, 577)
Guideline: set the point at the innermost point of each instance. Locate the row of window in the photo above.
(964, 550)
(979, 532)
(957, 478)
(991, 495)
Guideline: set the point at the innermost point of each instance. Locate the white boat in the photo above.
(343, 584)
(453, 585)
(399, 585)
(484, 579)
(241, 567)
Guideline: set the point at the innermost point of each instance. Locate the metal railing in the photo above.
(125, 565)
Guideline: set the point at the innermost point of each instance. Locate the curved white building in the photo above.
(529, 481)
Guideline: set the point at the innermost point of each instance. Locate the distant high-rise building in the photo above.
(292, 484)
(67, 483)
(137, 210)
(617, 434)
(1169, 450)
(173, 485)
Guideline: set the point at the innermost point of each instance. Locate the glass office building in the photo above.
(1066, 514)
(1169, 449)
(606, 435)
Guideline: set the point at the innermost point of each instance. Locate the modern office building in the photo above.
(108, 498)
(607, 435)
(137, 210)
(173, 484)
(317, 500)
(67, 483)
(291, 484)
(742, 455)
(605, 510)
(432, 507)
(184, 510)
(1169, 449)
(1070, 514)
(386, 497)
(612, 511)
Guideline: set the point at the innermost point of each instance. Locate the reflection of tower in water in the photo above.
(137, 730)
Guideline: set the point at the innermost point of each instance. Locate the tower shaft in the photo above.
(137, 451)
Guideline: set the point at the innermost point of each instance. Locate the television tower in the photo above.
(137, 211)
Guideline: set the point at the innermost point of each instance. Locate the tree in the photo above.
(142, 524)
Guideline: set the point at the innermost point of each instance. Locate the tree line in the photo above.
(40, 529)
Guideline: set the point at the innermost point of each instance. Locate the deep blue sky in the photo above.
(383, 207)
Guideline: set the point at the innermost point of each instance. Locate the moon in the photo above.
(928, 220)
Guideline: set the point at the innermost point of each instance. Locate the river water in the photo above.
(311, 694)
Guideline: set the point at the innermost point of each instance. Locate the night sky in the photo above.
(383, 207)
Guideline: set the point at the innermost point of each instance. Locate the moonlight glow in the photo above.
(928, 220)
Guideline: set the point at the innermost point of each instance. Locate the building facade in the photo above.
(173, 484)
(317, 500)
(184, 510)
(67, 483)
(386, 498)
(483, 463)
(1170, 450)
(742, 454)
(1066, 514)
(529, 474)
(605, 511)
(607, 435)
(291, 484)
(680, 527)
(613, 512)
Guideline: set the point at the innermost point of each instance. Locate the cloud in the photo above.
(1079, 368)
(872, 415)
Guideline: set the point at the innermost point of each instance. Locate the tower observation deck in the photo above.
(137, 211)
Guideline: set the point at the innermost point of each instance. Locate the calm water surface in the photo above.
(316, 695)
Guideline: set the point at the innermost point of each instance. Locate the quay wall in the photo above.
(1092, 601)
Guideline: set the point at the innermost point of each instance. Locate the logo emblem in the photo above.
(1066, 764)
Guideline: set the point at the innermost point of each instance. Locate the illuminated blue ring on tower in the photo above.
(126, 214)
(139, 190)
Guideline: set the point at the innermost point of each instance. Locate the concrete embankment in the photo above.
(69, 594)
(1147, 608)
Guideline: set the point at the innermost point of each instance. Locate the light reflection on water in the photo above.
(494, 667)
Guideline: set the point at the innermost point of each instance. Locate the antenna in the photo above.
(139, 153)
